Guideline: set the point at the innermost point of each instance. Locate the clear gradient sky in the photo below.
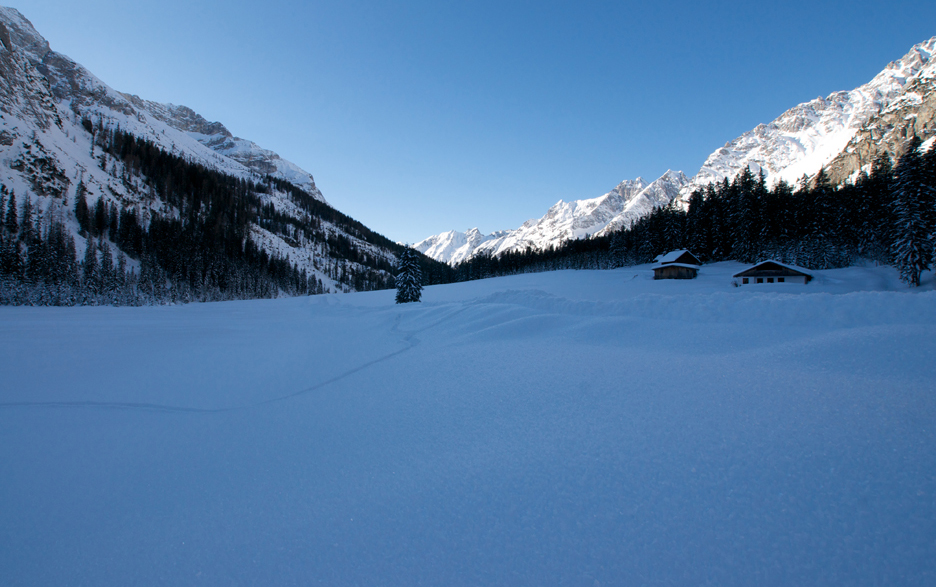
(417, 117)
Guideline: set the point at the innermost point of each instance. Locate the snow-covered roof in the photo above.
(758, 267)
(686, 265)
(673, 256)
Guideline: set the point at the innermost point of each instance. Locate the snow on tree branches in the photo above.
(408, 277)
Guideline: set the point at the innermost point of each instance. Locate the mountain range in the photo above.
(54, 114)
(843, 133)
(53, 111)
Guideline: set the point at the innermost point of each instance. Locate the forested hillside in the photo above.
(203, 248)
(887, 216)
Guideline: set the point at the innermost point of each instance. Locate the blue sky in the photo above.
(420, 117)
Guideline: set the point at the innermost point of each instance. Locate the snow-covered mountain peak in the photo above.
(659, 193)
(918, 57)
(842, 132)
(452, 246)
(59, 127)
(563, 221)
(22, 34)
(810, 135)
(76, 89)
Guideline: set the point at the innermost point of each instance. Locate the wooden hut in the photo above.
(676, 265)
(771, 271)
(675, 271)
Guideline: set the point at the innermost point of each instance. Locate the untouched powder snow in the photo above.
(570, 428)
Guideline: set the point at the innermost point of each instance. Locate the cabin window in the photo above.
(760, 280)
(745, 281)
(780, 279)
(770, 280)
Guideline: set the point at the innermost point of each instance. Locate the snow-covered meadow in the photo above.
(570, 428)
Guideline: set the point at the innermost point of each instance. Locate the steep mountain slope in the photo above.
(564, 221)
(57, 127)
(843, 132)
(218, 138)
(73, 85)
(838, 127)
(911, 113)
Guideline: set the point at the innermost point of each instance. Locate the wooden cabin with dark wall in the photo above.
(675, 271)
(676, 265)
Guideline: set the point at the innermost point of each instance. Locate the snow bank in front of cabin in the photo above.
(578, 428)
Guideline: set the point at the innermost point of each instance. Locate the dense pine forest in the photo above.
(203, 250)
(887, 216)
(199, 250)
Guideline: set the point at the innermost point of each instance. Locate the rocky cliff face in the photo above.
(656, 195)
(835, 131)
(75, 88)
(52, 111)
(215, 136)
(23, 92)
(913, 113)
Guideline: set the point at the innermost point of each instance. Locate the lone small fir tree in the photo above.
(408, 277)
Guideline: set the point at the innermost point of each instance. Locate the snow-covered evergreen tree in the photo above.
(408, 277)
(913, 200)
(617, 249)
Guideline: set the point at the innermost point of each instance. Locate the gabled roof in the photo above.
(680, 256)
(685, 265)
(774, 267)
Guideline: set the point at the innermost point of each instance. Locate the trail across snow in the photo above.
(569, 428)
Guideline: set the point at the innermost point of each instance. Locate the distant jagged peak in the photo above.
(670, 176)
(915, 59)
(564, 221)
(630, 187)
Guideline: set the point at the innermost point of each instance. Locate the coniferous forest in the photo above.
(887, 217)
(200, 252)
(204, 252)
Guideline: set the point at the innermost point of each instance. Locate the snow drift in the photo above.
(582, 428)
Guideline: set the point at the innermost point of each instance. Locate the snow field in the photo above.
(568, 428)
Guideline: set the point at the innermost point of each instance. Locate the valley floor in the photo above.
(569, 428)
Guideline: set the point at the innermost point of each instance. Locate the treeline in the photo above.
(199, 249)
(888, 216)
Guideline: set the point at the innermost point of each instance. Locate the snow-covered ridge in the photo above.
(564, 221)
(453, 247)
(912, 113)
(51, 112)
(842, 132)
(75, 88)
(218, 138)
(808, 136)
